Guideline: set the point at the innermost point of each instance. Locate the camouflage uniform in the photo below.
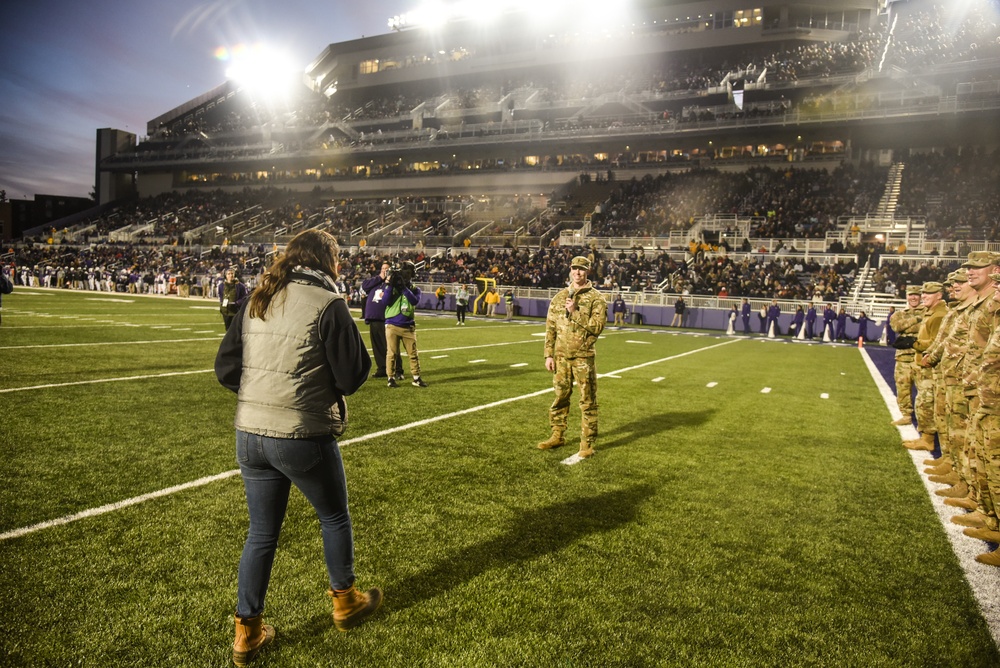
(905, 323)
(570, 342)
(987, 427)
(923, 376)
(953, 411)
(983, 321)
(947, 382)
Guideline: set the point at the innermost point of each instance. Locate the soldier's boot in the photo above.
(990, 558)
(975, 519)
(968, 503)
(949, 479)
(941, 469)
(925, 442)
(905, 420)
(958, 491)
(989, 535)
(554, 441)
(586, 450)
(936, 462)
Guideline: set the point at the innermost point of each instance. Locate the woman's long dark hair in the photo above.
(314, 249)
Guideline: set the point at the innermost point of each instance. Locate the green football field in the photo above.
(749, 505)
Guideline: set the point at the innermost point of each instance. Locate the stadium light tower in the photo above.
(262, 71)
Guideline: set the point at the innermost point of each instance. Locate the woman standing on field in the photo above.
(292, 354)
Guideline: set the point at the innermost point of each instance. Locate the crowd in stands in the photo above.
(924, 36)
(789, 202)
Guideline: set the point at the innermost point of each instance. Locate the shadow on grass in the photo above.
(650, 426)
(532, 533)
(490, 372)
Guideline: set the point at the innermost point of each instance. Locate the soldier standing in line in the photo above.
(986, 431)
(984, 316)
(906, 323)
(931, 296)
(942, 357)
(576, 318)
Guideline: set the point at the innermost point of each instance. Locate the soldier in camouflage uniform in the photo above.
(987, 432)
(984, 317)
(576, 317)
(952, 411)
(906, 323)
(931, 296)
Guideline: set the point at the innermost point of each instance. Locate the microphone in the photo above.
(572, 291)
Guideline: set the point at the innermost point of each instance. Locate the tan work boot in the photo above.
(940, 469)
(905, 420)
(554, 441)
(989, 535)
(251, 635)
(925, 442)
(990, 558)
(352, 607)
(948, 479)
(585, 451)
(975, 519)
(966, 503)
(935, 462)
(959, 491)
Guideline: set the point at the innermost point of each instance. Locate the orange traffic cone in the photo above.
(861, 342)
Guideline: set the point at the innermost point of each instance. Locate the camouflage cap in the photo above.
(580, 262)
(930, 287)
(913, 289)
(995, 278)
(980, 259)
(960, 275)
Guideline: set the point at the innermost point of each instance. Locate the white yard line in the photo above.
(107, 343)
(92, 512)
(104, 380)
(983, 580)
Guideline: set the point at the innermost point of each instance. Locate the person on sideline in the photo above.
(292, 354)
(461, 304)
(6, 286)
(232, 293)
(508, 303)
(492, 299)
(400, 327)
(745, 315)
(575, 320)
(618, 308)
(376, 299)
(679, 307)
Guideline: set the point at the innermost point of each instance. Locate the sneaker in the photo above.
(399, 376)
(418, 382)
(458, 322)
(392, 383)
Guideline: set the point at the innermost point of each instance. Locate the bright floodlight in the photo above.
(262, 71)
(572, 13)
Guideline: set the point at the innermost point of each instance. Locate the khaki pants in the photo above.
(408, 336)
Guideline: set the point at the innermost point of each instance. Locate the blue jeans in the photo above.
(270, 466)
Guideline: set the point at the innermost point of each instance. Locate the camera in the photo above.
(401, 275)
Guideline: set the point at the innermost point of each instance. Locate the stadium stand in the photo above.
(786, 152)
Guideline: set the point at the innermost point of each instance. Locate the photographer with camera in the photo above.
(399, 323)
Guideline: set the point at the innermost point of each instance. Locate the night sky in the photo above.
(69, 68)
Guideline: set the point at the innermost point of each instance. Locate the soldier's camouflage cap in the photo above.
(913, 289)
(959, 276)
(580, 262)
(980, 259)
(995, 278)
(930, 287)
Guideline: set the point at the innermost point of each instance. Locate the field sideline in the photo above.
(749, 505)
